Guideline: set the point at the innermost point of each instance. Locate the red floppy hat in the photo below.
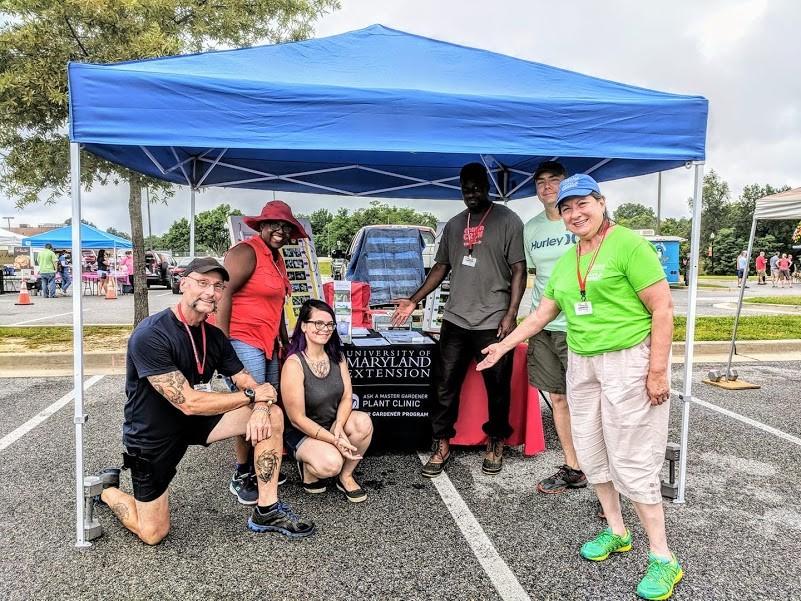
(277, 210)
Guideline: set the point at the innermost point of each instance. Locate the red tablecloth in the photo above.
(524, 411)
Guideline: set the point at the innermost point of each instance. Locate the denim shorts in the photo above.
(257, 364)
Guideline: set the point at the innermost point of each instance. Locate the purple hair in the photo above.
(297, 344)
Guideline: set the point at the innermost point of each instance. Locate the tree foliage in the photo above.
(38, 39)
(635, 216)
(211, 233)
(337, 230)
(115, 232)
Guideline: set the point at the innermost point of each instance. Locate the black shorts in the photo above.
(153, 468)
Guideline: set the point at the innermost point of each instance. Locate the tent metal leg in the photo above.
(689, 341)
(192, 222)
(740, 298)
(79, 417)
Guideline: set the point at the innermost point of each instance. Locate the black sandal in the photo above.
(354, 496)
(313, 488)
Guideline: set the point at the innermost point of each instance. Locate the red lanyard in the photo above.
(470, 238)
(201, 366)
(582, 281)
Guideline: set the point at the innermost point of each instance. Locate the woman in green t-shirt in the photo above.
(613, 291)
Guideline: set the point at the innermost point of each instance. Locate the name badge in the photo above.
(203, 387)
(469, 261)
(583, 308)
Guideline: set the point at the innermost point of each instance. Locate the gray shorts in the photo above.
(547, 361)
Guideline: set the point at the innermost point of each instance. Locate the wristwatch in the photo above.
(251, 394)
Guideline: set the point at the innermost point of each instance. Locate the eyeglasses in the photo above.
(218, 286)
(274, 226)
(322, 326)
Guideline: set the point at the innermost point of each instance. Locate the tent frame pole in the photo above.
(192, 221)
(740, 298)
(79, 417)
(689, 339)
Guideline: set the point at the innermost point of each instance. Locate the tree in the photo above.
(343, 226)
(319, 219)
(37, 39)
(115, 232)
(68, 221)
(635, 216)
(211, 232)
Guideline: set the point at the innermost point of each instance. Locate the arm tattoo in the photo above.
(237, 378)
(121, 511)
(170, 386)
(267, 464)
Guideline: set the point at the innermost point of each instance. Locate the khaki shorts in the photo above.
(546, 360)
(618, 435)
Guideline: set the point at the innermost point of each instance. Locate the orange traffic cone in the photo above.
(111, 289)
(24, 295)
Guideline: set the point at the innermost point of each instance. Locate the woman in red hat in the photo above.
(251, 312)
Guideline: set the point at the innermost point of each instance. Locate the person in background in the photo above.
(613, 291)
(546, 239)
(742, 269)
(47, 261)
(761, 268)
(102, 271)
(482, 248)
(774, 269)
(784, 271)
(793, 270)
(251, 312)
(326, 436)
(65, 269)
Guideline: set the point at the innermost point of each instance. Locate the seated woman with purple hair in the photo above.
(327, 438)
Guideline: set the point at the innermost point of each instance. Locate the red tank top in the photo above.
(257, 307)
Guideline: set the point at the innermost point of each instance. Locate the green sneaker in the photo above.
(605, 543)
(660, 578)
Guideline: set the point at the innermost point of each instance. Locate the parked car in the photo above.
(177, 272)
(158, 265)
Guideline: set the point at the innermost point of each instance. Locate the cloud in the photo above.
(741, 55)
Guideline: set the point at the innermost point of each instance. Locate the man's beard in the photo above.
(211, 302)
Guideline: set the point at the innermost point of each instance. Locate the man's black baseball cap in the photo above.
(205, 265)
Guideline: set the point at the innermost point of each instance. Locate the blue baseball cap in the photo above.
(577, 185)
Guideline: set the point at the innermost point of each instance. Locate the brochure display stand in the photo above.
(435, 307)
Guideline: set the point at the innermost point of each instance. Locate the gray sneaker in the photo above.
(244, 488)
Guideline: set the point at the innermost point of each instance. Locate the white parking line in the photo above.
(19, 323)
(37, 419)
(749, 421)
(495, 567)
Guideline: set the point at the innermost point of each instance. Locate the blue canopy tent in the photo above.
(378, 113)
(90, 237)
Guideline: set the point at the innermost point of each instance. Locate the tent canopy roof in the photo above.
(91, 237)
(783, 205)
(373, 112)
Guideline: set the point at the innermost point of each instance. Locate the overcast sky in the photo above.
(743, 56)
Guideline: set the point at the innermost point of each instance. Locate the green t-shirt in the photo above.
(545, 242)
(47, 260)
(626, 264)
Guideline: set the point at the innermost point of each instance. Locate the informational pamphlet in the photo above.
(435, 307)
(343, 309)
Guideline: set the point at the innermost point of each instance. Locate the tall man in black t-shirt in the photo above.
(172, 357)
(482, 249)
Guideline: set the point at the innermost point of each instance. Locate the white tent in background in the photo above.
(9, 240)
(784, 205)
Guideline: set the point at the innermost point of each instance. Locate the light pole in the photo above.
(712, 252)
(8, 222)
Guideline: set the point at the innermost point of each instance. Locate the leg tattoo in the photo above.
(267, 465)
(121, 511)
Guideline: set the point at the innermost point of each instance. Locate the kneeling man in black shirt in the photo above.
(172, 357)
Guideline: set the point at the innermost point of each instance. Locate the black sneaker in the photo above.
(244, 488)
(281, 478)
(566, 477)
(282, 520)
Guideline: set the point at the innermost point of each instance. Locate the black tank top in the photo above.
(322, 395)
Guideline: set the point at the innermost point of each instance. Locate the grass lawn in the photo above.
(767, 327)
(775, 300)
(59, 338)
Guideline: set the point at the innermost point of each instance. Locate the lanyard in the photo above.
(201, 366)
(582, 281)
(470, 238)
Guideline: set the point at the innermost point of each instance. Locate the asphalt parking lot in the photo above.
(737, 536)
